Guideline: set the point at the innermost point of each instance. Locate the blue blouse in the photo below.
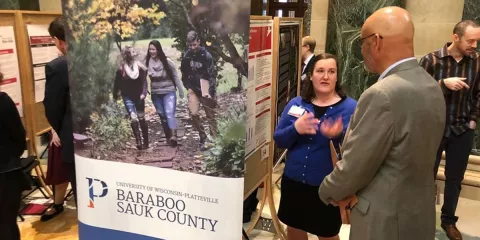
(308, 158)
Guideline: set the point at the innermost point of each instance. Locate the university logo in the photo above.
(93, 184)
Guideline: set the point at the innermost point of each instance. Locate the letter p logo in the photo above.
(91, 190)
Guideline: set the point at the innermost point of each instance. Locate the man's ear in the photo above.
(455, 37)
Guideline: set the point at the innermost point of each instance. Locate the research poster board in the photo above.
(288, 69)
(259, 89)
(188, 183)
(9, 67)
(43, 51)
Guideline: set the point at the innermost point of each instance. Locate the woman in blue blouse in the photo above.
(306, 127)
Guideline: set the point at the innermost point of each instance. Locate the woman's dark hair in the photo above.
(308, 93)
(162, 57)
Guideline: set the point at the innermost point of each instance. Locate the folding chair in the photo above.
(28, 164)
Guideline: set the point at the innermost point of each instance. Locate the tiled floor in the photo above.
(65, 226)
(467, 210)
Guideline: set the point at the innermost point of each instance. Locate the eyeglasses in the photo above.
(371, 35)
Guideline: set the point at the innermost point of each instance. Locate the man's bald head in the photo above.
(390, 22)
(387, 36)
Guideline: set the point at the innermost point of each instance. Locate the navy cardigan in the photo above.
(308, 158)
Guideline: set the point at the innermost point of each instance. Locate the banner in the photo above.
(158, 93)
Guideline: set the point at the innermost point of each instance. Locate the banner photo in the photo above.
(158, 93)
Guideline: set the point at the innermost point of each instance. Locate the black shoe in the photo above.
(173, 138)
(136, 133)
(144, 127)
(166, 130)
(58, 209)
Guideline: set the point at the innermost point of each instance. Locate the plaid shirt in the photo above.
(463, 105)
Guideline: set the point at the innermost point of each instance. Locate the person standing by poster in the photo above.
(131, 83)
(308, 49)
(308, 158)
(456, 68)
(12, 180)
(164, 83)
(57, 100)
(199, 78)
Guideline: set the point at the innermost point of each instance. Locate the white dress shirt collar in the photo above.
(394, 65)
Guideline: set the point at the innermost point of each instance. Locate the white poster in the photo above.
(9, 67)
(259, 85)
(43, 51)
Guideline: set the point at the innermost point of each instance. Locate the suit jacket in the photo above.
(388, 155)
(310, 64)
(57, 104)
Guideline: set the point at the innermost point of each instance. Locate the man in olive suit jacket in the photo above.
(390, 146)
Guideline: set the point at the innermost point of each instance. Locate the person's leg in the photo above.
(458, 150)
(193, 107)
(10, 196)
(157, 100)
(209, 107)
(73, 179)
(60, 190)
(296, 234)
(438, 159)
(169, 106)
(132, 112)
(140, 106)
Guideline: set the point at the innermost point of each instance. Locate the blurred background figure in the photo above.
(12, 179)
(59, 114)
(456, 67)
(308, 49)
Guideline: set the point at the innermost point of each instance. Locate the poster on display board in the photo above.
(259, 90)
(43, 51)
(159, 99)
(9, 67)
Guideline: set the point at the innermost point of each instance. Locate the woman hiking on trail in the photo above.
(131, 83)
(164, 84)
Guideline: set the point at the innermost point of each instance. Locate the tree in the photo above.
(123, 18)
(220, 24)
(118, 18)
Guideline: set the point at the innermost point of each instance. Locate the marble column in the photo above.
(471, 11)
(9, 5)
(434, 21)
(345, 19)
(307, 18)
(318, 26)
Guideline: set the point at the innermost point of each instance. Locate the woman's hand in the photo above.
(331, 129)
(55, 139)
(142, 97)
(307, 124)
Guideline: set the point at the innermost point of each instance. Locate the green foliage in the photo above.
(110, 128)
(227, 157)
(91, 77)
